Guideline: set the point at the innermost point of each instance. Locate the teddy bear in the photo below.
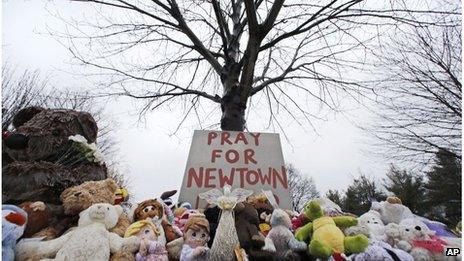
(421, 242)
(45, 158)
(40, 217)
(74, 200)
(280, 239)
(264, 208)
(326, 236)
(381, 239)
(77, 198)
(247, 226)
(372, 220)
(90, 240)
(392, 210)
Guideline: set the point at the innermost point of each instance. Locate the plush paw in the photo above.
(131, 244)
(420, 254)
(26, 249)
(316, 248)
(300, 246)
(403, 245)
(199, 251)
(392, 230)
(268, 245)
(356, 244)
(38, 206)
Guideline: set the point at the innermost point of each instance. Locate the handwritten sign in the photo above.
(247, 160)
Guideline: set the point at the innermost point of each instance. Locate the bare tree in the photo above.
(419, 93)
(302, 188)
(287, 56)
(19, 91)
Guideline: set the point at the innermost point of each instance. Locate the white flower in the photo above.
(78, 138)
(92, 146)
(98, 157)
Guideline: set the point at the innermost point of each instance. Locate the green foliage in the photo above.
(335, 196)
(360, 193)
(409, 187)
(444, 188)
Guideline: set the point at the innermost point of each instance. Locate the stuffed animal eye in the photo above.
(108, 208)
(418, 228)
(91, 192)
(194, 234)
(203, 235)
(407, 229)
(56, 132)
(147, 231)
(145, 210)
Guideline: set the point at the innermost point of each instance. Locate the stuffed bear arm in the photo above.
(392, 230)
(303, 233)
(269, 245)
(117, 243)
(296, 245)
(404, 245)
(345, 221)
(27, 248)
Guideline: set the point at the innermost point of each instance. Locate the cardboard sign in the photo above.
(251, 161)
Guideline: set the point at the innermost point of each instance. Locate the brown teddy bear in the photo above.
(42, 160)
(75, 199)
(78, 198)
(247, 224)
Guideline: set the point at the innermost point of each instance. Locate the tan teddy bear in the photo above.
(88, 193)
(76, 199)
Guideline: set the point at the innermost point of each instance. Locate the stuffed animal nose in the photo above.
(77, 194)
(16, 141)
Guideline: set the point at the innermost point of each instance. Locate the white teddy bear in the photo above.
(280, 239)
(90, 240)
(372, 226)
(374, 223)
(417, 239)
(391, 210)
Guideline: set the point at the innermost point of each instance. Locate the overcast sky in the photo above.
(154, 159)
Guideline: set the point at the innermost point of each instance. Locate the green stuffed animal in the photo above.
(326, 236)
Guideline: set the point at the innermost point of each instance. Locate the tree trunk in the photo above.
(233, 104)
(233, 111)
(233, 115)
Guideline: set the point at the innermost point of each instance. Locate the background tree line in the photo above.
(436, 194)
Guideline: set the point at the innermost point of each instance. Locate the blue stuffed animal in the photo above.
(13, 224)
